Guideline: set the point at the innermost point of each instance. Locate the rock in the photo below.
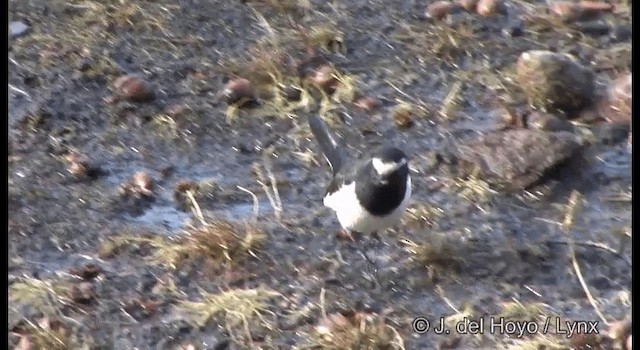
(615, 106)
(555, 82)
(18, 29)
(513, 160)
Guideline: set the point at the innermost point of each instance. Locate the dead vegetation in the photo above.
(236, 306)
(352, 330)
(44, 333)
(218, 240)
(442, 251)
(44, 296)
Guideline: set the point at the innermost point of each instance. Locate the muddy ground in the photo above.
(91, 266)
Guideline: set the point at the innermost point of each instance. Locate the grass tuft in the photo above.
(237, 306)
(43, 296)
(355, 331)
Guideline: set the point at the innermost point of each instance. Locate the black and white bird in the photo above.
(369, 194)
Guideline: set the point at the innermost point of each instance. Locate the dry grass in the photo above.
(473, 189)
(219, 240)
(439, 251)
(327, 37)
(214, 239)
(91, 22)
(44, 334)
(355, 332)
(43, 296)
(284, 61)
(517, 311)
(237, 306)
(422, 215)
(537, 343)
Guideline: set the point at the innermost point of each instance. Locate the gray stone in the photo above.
(17, 29)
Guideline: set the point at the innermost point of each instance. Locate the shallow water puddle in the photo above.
(172, 219)
(166, 216)
(245, 211)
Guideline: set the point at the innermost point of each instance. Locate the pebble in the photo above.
(441, 9)
(17, 29)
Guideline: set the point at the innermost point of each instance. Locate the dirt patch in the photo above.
(230, 246)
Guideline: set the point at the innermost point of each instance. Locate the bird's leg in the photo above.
(345, 235)
(372, 263)
(356, 237)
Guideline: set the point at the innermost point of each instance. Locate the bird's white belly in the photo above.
(352, 216)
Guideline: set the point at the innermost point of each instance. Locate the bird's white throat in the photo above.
(385, 168)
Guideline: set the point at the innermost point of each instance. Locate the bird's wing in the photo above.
(347, 175)
(334, 152)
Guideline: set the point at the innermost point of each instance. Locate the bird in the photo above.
(368, 194)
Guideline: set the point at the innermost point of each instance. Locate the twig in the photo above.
(574, 202)
(274, 197)
(591, 244)
(446, 300)
(245, 324)
(21, 92)
(196, 207)
(256, 204)
(322, 301)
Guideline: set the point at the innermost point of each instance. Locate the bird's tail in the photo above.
(332, 150)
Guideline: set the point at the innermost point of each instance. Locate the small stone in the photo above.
(513, 29)
(324, 77)
(86, 272)
(176, 110)
(488, 8)
(441, 9)
(143, 183)
(83, 293)
(133, 88)
(555, 82)
(17, 29)
(468, 5)
(239, 91)
(403, 117)
(80, 166)
(367, 104)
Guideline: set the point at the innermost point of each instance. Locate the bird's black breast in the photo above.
(381, 198)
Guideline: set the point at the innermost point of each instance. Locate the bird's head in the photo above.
(388, 161)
